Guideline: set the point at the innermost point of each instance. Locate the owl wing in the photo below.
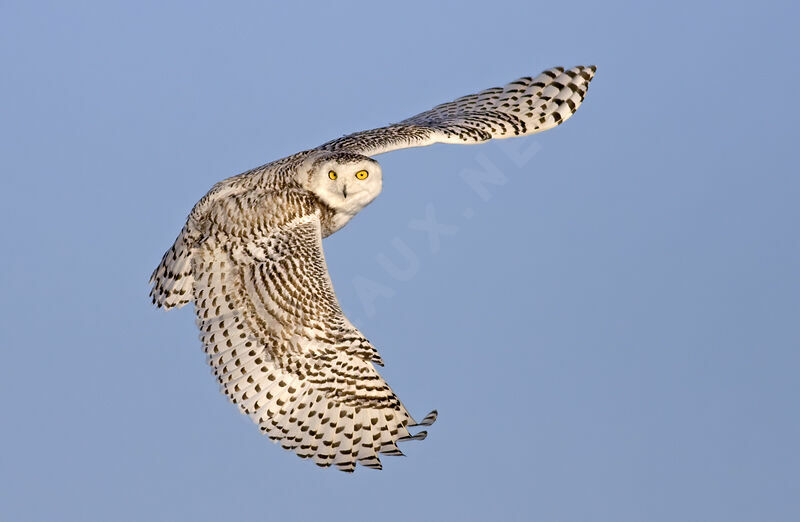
(284, 352)
(525, 106)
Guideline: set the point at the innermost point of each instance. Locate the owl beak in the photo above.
(344, 191)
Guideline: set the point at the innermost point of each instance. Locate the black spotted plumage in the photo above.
(250, 258)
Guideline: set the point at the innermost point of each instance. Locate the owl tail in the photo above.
(172, 280)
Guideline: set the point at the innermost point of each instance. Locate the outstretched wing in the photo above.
(525, 106)
(284, 352)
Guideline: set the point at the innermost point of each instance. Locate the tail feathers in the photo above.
(172, 280)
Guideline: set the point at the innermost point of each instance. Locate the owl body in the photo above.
(250, 258)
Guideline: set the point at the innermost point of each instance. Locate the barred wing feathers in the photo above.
(284, 352)
(524, 106)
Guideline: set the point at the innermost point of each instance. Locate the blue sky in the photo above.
(610, 334)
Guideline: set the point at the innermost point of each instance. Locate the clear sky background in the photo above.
(610, 334)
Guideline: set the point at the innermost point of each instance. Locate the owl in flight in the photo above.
(250, 258)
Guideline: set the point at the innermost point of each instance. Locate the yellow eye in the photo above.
(362, 174)
(332, 175)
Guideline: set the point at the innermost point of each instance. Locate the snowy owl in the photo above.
(250, 258)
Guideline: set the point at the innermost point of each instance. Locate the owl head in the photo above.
(344, 181)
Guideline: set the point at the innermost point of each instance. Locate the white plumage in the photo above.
(250, 258)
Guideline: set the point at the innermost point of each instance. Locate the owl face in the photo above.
(345, 182)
